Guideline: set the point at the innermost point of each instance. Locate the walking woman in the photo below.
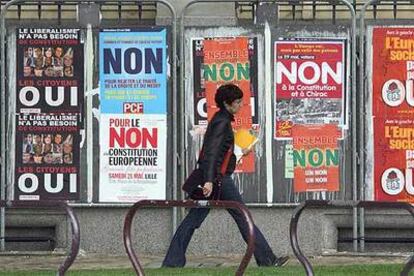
(219, 138)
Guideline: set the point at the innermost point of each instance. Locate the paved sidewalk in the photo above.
(40, 261)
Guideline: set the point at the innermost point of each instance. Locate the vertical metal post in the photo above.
(39, 10)
(175, 117)
(183, 152)
(268, 110)
(140, 10)
(119, 11)
(19, 11)
(59, 11)
(89, 116)
(2, 223)
(361, 127)
(362, 97)
(3, 121)
(313, 9)
(394, 9)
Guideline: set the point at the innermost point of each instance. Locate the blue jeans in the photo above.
(176, 252)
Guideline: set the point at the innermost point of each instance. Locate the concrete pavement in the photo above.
(41, 261)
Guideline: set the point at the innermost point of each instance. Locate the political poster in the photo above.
(316, 158)
(133, 120)
(310, 78)
(49, 102)
(392, 113)
(225, 65)
(218, 61)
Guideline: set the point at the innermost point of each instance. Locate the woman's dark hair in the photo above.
(227, 93)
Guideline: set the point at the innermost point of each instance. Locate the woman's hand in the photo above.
(207, 189)
(246, 151)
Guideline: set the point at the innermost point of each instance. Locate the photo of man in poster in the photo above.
(48, 61)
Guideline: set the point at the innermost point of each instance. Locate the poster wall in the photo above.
(217, 61)
(392, 113)
(133, 122)
(48, 113)
(309, 84)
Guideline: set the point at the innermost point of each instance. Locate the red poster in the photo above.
(309, 84)
(316, 158)
(392, 104)
(226, 60)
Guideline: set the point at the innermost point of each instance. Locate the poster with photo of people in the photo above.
(49, 102)
(47, 148)
(48, 61)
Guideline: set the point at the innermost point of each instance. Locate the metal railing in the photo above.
(340, 204)
(74, 248)
(190, 204)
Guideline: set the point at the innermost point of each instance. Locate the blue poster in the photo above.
(133, 71)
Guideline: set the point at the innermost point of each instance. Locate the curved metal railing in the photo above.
(341, 204)
(190, 204)
(64, 266)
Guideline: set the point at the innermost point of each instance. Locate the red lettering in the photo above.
(151, 138)
(133, 137)
(25, 169)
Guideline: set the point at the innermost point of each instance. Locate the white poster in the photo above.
(133, 106)
(132, 164)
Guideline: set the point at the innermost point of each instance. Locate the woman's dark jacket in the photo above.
(218, 139)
